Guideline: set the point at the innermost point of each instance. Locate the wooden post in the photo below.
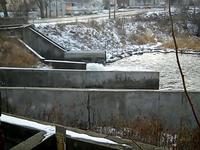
(61, 137)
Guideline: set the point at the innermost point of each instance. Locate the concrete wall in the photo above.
(66, 64)
(13, 20)
(51, 50)
(86, 56)
(55, 64)
(81, 107)
(13, 77)
(9, 31)
(42, 45)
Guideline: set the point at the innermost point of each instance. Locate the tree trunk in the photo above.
(26, 8)
(46, 4)
(42, 12)
(49, 9)
(56, 8)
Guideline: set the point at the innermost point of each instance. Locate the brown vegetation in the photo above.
(190, 43)
(12, 54)
(142, 39)
(151, 131)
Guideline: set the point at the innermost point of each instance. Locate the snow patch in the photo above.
(87, 137)
(50, 130)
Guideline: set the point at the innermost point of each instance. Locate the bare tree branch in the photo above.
(180, 68)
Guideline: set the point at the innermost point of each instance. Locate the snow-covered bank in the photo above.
(104, 36)
(120, 38)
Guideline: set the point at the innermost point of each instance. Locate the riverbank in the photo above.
(123, 37)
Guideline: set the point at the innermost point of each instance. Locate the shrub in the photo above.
(184, 43)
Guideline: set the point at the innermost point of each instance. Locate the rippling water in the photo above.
(165, 63)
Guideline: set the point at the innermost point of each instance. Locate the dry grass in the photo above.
(192, 43)
(142, 39)
(151, 131)
(12, 54)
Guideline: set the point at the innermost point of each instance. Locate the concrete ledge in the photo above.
(20, 77)
(86, 56)
(101, 107)
(57, 64)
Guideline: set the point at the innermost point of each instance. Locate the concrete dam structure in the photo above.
(46, 48)
(15, 77)
(93, 97)
(86, 99)
(51, 50)
(92, 107)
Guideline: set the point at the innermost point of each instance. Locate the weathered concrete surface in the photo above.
(81, 107)
(42, 45)
(16, 77)
(66, 64)
(13, 20)
(11, 30)
(55, 64)
(86, 56)
(51, 50)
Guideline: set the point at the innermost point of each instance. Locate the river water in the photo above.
(165, 63)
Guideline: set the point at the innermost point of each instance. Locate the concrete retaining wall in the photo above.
(79, 107)
(42, 45)
(51, 50)
(66, 64)
(13, 20)
(55, 64)
(13, 77)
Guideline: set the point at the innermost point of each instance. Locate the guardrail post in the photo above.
(61, 137)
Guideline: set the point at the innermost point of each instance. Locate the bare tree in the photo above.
(180, 69)
(4, 7)
(41, 5)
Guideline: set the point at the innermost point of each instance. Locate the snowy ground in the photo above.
(120, 38)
